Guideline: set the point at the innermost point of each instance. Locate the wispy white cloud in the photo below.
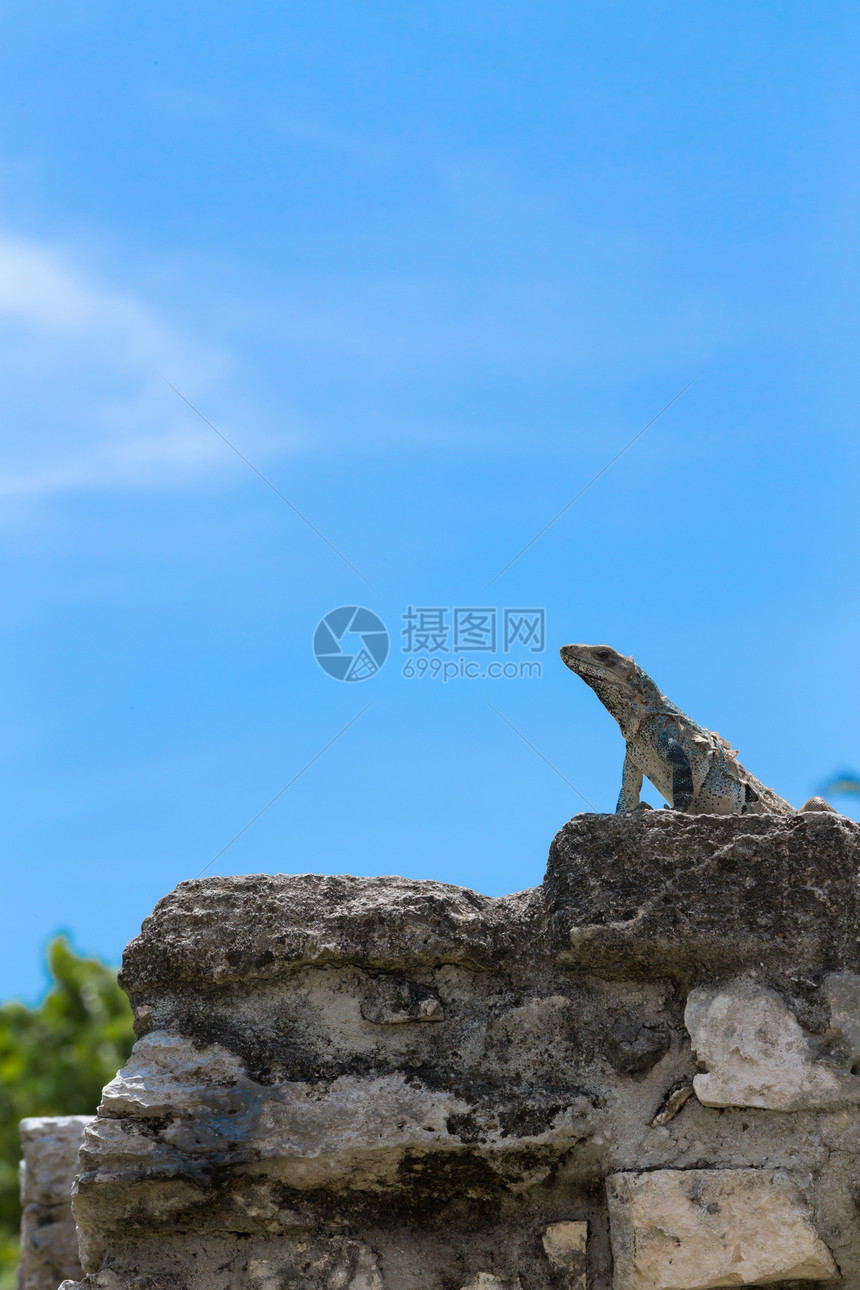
(83, 403)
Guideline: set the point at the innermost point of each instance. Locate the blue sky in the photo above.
(429, 268)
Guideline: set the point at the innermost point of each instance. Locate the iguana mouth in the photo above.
(570, 658)
(586, 667)
(585, 670)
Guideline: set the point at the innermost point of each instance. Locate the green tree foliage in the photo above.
(54, 1060)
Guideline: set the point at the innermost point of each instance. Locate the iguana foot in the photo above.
(818, 804)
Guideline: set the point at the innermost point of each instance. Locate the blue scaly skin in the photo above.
(695, 769)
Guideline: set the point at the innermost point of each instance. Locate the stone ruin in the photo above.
(642, 1074)
(49, 1162)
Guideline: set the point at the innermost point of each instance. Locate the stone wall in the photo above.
(49, 1244)
(640, 1074)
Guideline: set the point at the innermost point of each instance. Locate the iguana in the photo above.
(695, 769)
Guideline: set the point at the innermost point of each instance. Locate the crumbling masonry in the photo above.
(640, 1074)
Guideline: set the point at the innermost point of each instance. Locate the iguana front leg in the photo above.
(682, 774)
(631, 785)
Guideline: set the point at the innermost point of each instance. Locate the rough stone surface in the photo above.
(49, 1243)
(757, 1053)
(842, 992)
(660, 889)
(690, 1229)
(283, 923)
(378, 1084)
(486, 1281)
(393, 1001)
(565, 1246)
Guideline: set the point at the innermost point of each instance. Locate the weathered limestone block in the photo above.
(348, 1127)
(704, 892)
(757, 1053)
(691, 1229)
(486, 1281)
(375, 1084)
(49, 1243)
(391, 1001)
(842, 992)
(337, 1263)
(565, 1246)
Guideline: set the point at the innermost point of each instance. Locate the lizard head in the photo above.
(619, 683)
(599, 663)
